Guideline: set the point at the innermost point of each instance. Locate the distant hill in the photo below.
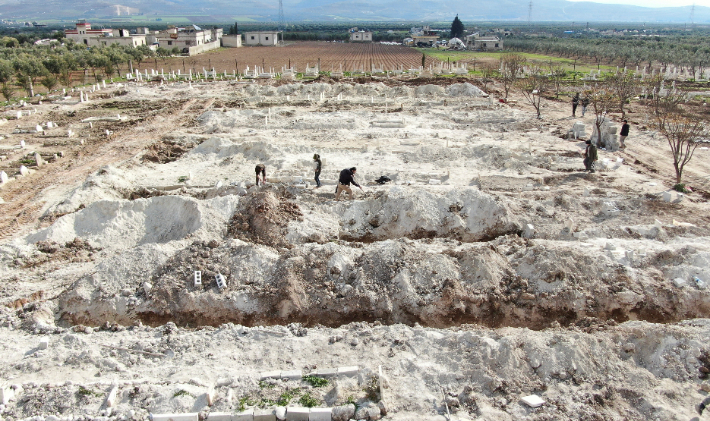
(366, 10)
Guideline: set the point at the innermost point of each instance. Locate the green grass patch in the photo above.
(245, 401)
(315, 381)
(266, 385)
(308, 401)
(287, 396)
(87, 392)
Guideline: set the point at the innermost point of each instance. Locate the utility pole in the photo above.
(281, 16)
(529, 12)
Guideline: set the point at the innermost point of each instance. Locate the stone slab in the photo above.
(175, 417)
(348, 371)
(320, 414)
(533, 401)
(264, 415)
(220, 416)
(247, 415)
(326, 372)
(270, 375)
(292, 375)
(297, 414)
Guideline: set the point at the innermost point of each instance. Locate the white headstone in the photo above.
(38, 159)
(22, 144)
(19, 115)
(3, 177)
(38, 128)
(24, 170)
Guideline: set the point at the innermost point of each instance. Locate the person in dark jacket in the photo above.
(623, 134)
(575, 102)
(319, 164)
(346, 178)
(585, 104)
(260, 171)
(590, 155)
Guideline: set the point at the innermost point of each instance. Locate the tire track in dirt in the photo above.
(23, 197)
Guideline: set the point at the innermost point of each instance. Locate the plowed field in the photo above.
(332, 55)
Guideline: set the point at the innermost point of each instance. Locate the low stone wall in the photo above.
(197, 49)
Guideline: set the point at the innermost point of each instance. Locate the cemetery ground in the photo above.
(489, 269)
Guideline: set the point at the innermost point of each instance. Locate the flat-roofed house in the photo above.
(261, 38)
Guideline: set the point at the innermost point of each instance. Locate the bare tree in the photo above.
(488, 71)
(603, 100)
(624, 87)
(557, 75)
(683, 131)
(511, 68)
(533, 86)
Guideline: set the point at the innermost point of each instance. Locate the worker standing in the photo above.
(318, 166)
(260, 171)
(346, 178)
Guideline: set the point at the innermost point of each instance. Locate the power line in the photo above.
(282, 24)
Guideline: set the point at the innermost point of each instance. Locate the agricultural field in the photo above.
(476, 58)
(332, 56)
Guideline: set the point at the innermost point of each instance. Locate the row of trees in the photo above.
(53, 65)
(692, 53)
(682, 128)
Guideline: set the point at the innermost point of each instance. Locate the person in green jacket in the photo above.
(590, 155)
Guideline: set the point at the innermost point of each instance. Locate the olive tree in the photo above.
(624, 86)
(511, 69)
(533, 86)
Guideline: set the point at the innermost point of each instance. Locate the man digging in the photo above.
(346, 177)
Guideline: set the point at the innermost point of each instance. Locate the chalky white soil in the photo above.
(490, 267)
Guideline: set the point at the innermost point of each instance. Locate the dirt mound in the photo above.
(163, 152)
(263, 217)
(76, 250)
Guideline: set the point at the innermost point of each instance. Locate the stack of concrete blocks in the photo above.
(610, 140)
(579, 131)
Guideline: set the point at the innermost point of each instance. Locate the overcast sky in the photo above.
(656, 3)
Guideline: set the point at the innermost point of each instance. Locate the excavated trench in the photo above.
(454, 275)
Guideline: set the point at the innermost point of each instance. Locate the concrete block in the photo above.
(667, 196)
(629, 255)
(533, 401)
(247, 415)
(528, 231)
(210, 397)
(434, 181)
(587, 192)
(679, 282)
(6, 395)
(320, 414)
(326, 372)
(270, 375)
(111, 397)
(44, 343)
(348, 371)
(175, 417)
(221, 282)
(291, 375)
(297, 414)
(219, 416)
(264, 415)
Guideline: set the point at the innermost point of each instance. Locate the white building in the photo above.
(191, 39)
(485, 43)
(360, 36)
(233, 41)
(83, 34)
(261, 38)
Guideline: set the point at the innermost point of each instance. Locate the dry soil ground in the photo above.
(490, 267)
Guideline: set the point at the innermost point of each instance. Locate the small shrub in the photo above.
(315, 381)
(308, 401)
(86, 392)
(182, 179)
(287, 396)
(182, 392)
(680, 187)
(245, 401)
(265, 385)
